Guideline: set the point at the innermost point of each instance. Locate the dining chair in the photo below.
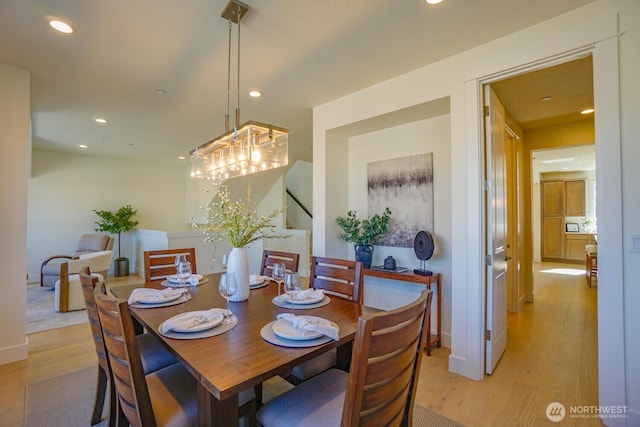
(158, 264)
(290, 260)
(379, 389)
(166, 397)
(591, 262)
(342, 279)
(339, 277)
(152, 353)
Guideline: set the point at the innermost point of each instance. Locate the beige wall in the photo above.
(14, 170)
(423, 136)
(65, 188)
(560, 136)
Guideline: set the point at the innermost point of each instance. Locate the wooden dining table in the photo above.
(240, 358)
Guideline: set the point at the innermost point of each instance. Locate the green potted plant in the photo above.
(364, 232)
(116, 223)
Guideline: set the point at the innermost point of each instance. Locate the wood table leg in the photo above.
(214, 412)
(343, 356)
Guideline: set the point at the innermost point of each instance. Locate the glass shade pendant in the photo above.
(254, 147)
(248, 148)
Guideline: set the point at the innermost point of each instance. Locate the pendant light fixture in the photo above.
(244, 149)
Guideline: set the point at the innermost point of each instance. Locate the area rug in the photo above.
(40, 313)
(67, 401)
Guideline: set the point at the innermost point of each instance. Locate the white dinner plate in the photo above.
(286, 330)
(259, 280)
(286, 298)
(217, 319)
(173, 278)
(162, 300)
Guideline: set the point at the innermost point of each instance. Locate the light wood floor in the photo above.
(551, 356)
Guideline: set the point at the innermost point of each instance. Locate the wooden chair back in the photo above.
(104, 373)
(387, 353)
(269, 258)
(340, 277)
(159, 264)
(124, 360)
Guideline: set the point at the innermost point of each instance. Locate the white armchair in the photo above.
(68, 289)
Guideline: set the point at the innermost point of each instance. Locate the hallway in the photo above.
(551, 356)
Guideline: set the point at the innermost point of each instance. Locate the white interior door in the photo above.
(496, 229)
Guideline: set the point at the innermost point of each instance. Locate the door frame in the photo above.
(604, 50)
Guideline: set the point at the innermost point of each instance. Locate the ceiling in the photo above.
(299, 53)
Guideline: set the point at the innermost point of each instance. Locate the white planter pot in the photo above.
(238, 271)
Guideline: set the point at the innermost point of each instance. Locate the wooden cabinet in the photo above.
(559, 199)
(553, 237)
(575, 246)
(575, 197)
(553, 198)
(564, 198)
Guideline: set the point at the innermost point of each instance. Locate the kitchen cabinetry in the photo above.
(574, 198)
(575, 246)
(561, 198)
(553, 237)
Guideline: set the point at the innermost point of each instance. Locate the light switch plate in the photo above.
(635, 243)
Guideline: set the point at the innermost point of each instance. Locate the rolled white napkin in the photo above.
(309, 294)
(150, 294)
(191, 319)
(311, 323)
(193, 281)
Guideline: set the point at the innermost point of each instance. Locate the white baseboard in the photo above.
(15, 353)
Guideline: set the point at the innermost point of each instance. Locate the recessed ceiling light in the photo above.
(255, 93)
(181, 157)
(434, 1)
(83, 146)
(565, 159)
(63, 27)
(101, 120)
(546, 98)
(587, 111)
(161, 92)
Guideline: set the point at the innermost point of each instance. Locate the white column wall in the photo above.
(15, 143)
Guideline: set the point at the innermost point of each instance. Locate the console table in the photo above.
(424, 280)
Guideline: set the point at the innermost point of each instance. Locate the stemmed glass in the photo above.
(227, 288)
(184, 272)
(278, 274)
(223, 262)
(179, 259)
(292, 286)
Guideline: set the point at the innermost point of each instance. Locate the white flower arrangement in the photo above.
(237, 221)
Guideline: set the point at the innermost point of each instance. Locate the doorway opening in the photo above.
(542, 120)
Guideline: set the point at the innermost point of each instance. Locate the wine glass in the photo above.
(177, 261)
(278, 274)
(292, 286)
(227, 288)
(223, 262)
(184, 272)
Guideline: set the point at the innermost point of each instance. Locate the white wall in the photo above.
(419, 137)
(65, 189)
(14, 170)
(592, 28)
(299, 183)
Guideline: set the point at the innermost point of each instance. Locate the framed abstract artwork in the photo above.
(405, 185)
